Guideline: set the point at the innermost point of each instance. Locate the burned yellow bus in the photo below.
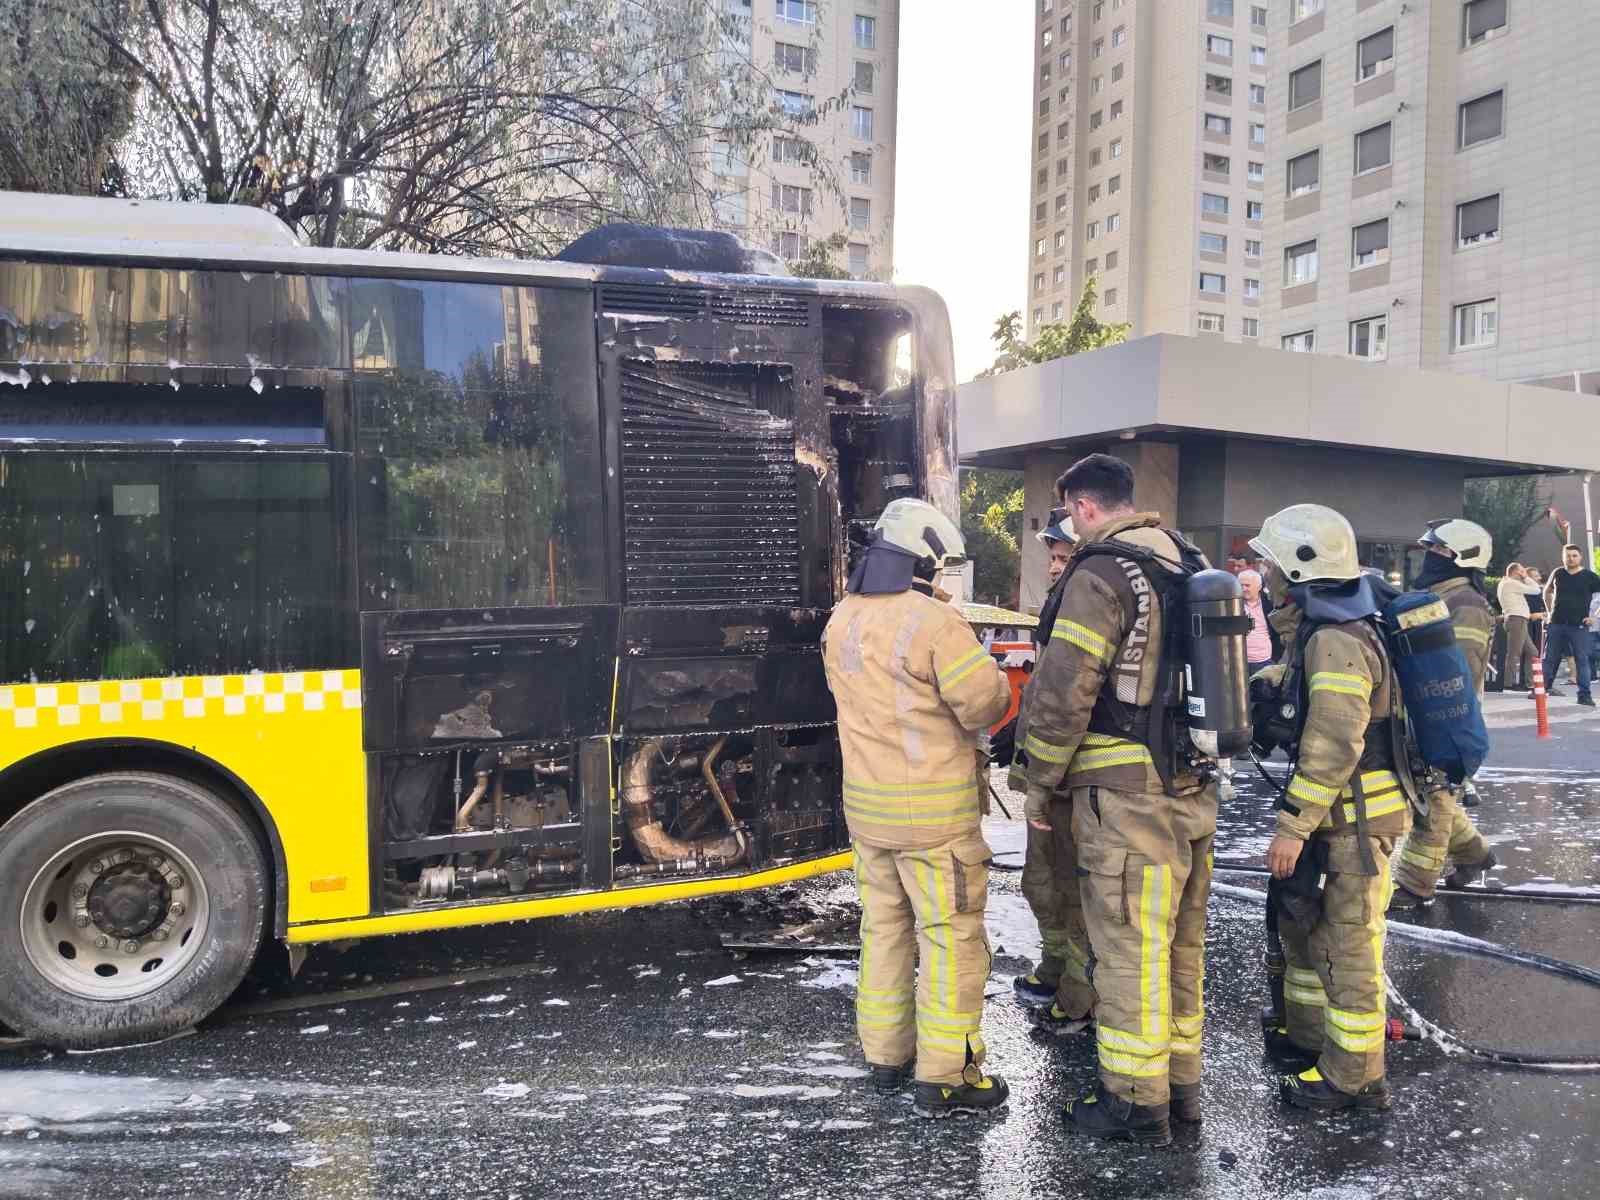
(354, 593)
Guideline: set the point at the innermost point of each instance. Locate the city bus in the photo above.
(354, 593)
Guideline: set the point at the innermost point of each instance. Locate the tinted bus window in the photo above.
(123, 565)
(478, 445)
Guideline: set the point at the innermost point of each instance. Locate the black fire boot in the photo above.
(1184, 1106)
(1101, 1115)
(1460, 876)
(1309, 1090)
(1284, 1053)
(1469, 796)
(1052, 1020)
(888, 1079)
(1034, 990)
(940, 1100)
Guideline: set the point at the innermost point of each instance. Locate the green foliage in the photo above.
(991, 524)
(1057, 339)
(818, 260)
(1508, 507)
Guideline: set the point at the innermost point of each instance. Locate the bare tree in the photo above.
(456, 126)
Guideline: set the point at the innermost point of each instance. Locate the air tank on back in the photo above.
(1216, 676)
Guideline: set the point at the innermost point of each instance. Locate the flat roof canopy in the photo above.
(1166, 386)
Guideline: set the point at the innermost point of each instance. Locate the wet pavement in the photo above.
(628, 1052)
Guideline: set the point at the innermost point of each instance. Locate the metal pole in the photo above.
(1588, 519)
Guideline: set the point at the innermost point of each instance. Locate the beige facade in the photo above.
(1439, 157)
(835, 71)
(1150, 154)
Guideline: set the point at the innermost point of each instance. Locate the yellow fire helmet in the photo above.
(1309, 542)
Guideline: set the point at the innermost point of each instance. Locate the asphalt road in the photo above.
(628, 1053)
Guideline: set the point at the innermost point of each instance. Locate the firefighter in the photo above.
(914, 688)
(1458, 551)
(1058, 988)
(1143, 842)
(1341, 815)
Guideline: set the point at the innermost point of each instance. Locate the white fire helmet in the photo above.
(1308, 542)
(1467, 540)
(920, 529)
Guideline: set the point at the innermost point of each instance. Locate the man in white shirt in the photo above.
(1513, 593)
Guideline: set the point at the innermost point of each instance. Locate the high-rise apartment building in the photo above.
(835, 70)
(1431, 185)
(1149, 166)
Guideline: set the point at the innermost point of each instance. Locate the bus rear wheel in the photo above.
(131, 905)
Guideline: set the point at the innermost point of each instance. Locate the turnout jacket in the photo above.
(1473, 621)
(1350, 695)
(914, 688)
(1106, 639)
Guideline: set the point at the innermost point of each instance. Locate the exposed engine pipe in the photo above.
(709, 770)
(655, 844)
(464, 813)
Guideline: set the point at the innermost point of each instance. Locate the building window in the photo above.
(1217, 123)
(790, 246)
(1252, 247)
(1066, 25)
(858, 259)
(1116, 147)
(1218, 164)
(1091, 266)
(1119, 35)
(1096, 118)
(1048, 38)
(1483, 119)
(1039, 246)
(1222, 85)
(1369, 244)
(1044, 106)
(1064, 62)
(1482, 20)
(1478, 221)
(1258, 56)
(1116, 109)
(1043, 177)
(1116, 73)
(1219, 10)
(1063, 167)
(1097, 85)
(1252, 210)
(804, 11)
(1255, 172)
(860, 213)
(789, 149)
(1061, 204)
(1063, 131)
(795, 60)
(1113, 222)
(1038, 284)
(1099, 10)
(1208, 322)
(1373, 148)
(1375, 54)
(1214, 204)
(1094, 193)
(1111, 260)
(789, 199)
(1039, 212)
(861, 123)
(1044, 75)
(1369, 338)
(1091, 231)
(1221, 46)
(1098, 48)
(1477, 324)
(1058, 277)
(1258, 16)
(1303, 342)
(1305, 173)
(1258, 94)
(795, 104)
(1299, 10)
(1305, 85)
(1061, 241)
(1258, 135)
(1094, 157)
(1038, 316)
(867, 33)
(1300, 264)
(1044, 144)
(861, 173)
(1213, 243)
(1212, 283)
(1057, 311)
(866, 78)
(1113, 185)
(1250, 327)
(1111, 298)
(1252, 289)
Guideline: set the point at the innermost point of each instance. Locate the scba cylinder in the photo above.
(1216, 676)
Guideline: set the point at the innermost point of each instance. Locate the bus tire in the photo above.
(131, 906)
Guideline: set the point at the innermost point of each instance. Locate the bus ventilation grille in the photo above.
(709, 506)
(742, 307)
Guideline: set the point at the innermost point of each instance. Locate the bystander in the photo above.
(1261, 643)
(1567, 595)
(1514, 595)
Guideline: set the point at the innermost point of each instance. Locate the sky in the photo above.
(961, 182)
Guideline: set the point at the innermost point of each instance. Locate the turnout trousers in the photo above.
(1050, 884)
(1333, 988)
(924, 955)
(1447, 833)
(1144, 863)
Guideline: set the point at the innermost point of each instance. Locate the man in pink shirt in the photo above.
(1258, 642)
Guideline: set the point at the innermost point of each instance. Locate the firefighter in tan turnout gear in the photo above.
(1143, 844)
(914, 688)
(1458, 553)
(1342, 815)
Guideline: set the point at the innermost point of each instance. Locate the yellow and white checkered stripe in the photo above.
(1082, 637)
(1099, 750)
(1341, 682)
(187, 698)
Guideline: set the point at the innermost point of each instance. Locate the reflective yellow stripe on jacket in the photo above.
(1082, 637)
(912, 804)
(1343, 682)
(1104, 750)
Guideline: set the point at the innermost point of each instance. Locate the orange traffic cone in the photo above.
(1541, 702)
